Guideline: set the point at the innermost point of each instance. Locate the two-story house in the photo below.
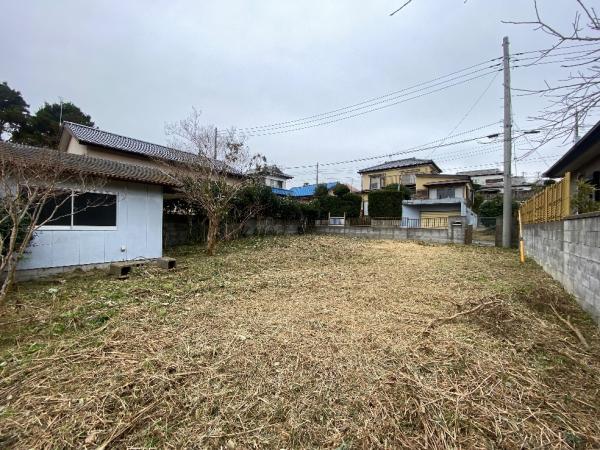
(437, 198)
(402, 171)
(273, 177)
(484, 177)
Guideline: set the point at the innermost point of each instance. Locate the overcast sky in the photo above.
(134, 65)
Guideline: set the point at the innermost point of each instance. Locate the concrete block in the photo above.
(166, 263)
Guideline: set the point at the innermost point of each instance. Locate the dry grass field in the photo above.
(302, 342)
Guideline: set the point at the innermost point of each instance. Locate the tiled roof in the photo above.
(85, 164)
(309, 190)
(94, 136)
(479, 173)
(274, 171)
(446, 182)
(408, 162)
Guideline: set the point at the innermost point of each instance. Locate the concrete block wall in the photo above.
(454, 234)
(569, 251)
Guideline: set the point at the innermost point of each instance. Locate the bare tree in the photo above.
(572, 99)
(576, 96)
(33, 191)
(214, 175)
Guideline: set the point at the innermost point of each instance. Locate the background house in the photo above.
(437, 198)
(83, 140)
(484, 177)
(273, 176)
(402, 171)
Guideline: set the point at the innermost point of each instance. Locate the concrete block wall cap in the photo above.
(583, 216)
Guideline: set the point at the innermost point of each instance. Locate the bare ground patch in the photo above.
(311, 341)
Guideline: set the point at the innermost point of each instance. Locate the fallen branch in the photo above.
(458, 314)
(572, 327)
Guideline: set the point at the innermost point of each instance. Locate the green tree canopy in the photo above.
(43, 129)
(340, 189)
(14, 112)
(493, 207)
(321, 190)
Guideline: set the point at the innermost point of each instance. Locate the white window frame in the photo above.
(85, 227)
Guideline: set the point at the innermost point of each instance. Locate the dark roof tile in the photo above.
(86, 164)
(94, 136)
(408, 162)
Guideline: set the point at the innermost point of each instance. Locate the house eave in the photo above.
(433, 201)
(578, 155)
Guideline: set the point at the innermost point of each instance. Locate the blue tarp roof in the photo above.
(282, 192)
(309, 190)
(301, 191)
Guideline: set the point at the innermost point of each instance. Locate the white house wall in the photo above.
(138, 233)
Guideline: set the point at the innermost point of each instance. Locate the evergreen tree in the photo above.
(14, 112)
(43, 129)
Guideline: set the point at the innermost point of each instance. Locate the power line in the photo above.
(473, 106)
(558, 47)
(374, 99)
(385, 105)
(409, 150)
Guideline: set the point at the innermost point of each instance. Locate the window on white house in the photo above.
(445, 193)
(87, 209)
(278, 184)
(95, 210)
(58, 210)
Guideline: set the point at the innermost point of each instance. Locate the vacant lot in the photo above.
(291, 342)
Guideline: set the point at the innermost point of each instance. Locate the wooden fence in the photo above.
(553, 203)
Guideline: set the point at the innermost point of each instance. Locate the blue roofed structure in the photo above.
(282, 192)
(302, 191)
(309, 189)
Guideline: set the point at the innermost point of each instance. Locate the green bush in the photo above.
(493, 207)
(583, 200)
(348, 204)
(384, 203)
(340, 190)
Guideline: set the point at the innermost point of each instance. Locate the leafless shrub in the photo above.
(32, 194)
(219, 170)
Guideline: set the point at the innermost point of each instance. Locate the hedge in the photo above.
(348, 204)
(383, 203)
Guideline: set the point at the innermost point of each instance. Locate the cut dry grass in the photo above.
(312, 341)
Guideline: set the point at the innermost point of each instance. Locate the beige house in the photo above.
(439, 197)
(402, 171)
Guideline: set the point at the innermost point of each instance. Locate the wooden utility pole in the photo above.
(507, 204)
(317, 174)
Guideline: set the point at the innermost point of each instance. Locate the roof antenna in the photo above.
(61, 109)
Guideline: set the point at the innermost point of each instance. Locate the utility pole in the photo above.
(317, 174)
(507, 205)
(576, 129)
(61, 111)
(215, 148)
